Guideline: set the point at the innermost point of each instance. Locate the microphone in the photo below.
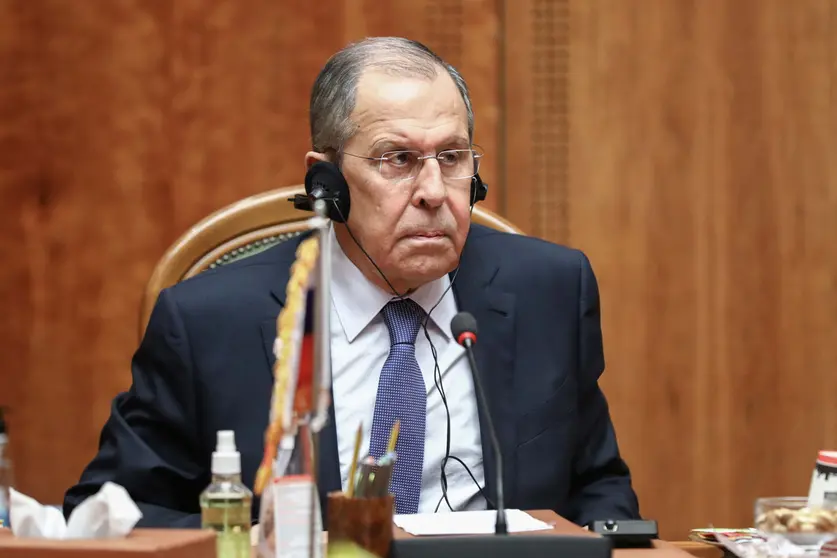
(305, 202)
(464, 329)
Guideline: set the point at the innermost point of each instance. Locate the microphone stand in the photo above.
(500, 527)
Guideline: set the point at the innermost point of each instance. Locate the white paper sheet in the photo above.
(467, 523)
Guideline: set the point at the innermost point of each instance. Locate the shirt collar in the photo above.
(358, 301)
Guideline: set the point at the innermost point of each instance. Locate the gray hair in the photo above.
(334, 93)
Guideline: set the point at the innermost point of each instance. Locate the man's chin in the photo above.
(423, 270)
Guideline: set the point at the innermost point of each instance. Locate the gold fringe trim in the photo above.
(286, 324)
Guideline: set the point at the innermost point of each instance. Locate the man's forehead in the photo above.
(394, 88)
(386, 91)
(404, 106)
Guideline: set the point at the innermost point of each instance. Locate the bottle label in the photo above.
(823, 490)
(291, 520)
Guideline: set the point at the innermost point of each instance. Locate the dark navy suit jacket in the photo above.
(205, 361)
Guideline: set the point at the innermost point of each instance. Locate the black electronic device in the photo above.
(627, 533)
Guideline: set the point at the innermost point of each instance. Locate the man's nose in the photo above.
(431, 190)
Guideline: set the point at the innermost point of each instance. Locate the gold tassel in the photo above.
(286, 323)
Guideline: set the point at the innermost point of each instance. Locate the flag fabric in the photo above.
(305, 368)
(293, 369)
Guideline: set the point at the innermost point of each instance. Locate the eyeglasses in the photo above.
(397, 166)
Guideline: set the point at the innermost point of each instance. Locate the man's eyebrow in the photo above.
(387, 143)
(456, 139)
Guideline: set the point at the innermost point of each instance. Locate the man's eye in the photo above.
(448, 157)
(400, 159)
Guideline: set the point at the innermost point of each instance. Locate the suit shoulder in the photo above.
(526, 251)
(238, 282)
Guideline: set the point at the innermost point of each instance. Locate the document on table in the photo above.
(467, 523)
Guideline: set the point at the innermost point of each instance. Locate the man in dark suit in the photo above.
(398, 123)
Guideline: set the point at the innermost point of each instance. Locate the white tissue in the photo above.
(110, 513)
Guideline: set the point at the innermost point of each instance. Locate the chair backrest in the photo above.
(242, 229)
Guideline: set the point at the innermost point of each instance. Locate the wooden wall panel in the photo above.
(17, 166)
(703, 191)
(122, 124)
(140, 121)
(536, 134)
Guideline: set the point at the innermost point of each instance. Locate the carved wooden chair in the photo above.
(240, 230)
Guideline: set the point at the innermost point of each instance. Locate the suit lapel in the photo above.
(494, 353)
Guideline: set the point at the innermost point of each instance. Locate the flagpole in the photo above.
(322, 305)
(321, 380)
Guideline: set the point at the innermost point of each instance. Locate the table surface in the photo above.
(560, 526)
(157, 543)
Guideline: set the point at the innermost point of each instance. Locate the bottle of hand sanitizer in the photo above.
(226, 502)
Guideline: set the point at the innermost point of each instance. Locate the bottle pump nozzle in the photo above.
(226, 460)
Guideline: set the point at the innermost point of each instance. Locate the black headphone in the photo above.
(324, 181)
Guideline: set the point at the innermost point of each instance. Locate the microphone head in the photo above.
(464, 326)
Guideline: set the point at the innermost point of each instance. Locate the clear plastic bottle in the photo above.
(226, 503)
(5, 473)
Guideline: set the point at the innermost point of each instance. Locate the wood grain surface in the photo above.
(685, 146)
(703, 190)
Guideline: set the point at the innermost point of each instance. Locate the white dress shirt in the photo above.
(360, 346)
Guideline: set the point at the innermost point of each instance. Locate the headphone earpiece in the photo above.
(324, 181)
(479, 189)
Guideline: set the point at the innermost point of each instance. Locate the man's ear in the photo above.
(314, 156)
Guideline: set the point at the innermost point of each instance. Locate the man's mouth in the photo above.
(426, 235)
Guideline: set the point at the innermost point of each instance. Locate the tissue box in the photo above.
(141, 543)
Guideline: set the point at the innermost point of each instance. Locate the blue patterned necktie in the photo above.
(402, 396)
